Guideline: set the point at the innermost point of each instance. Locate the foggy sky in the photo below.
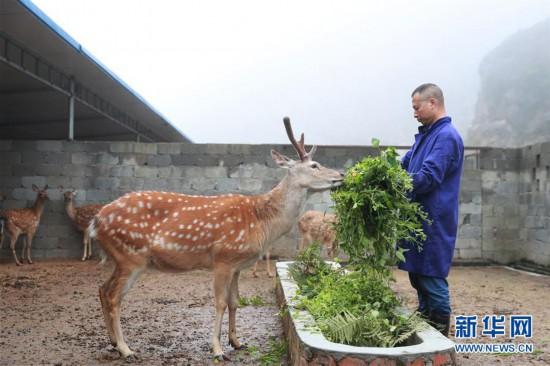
(228, 71)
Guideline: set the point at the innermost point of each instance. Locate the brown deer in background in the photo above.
(23, 221)
(81, 217)
(178, 232)
(268, 267)
(317, 226)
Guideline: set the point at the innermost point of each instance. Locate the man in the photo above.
(435, 165)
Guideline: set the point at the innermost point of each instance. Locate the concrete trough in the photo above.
(307, 346)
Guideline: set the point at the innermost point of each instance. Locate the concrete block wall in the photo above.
(534, 203)
(103, 171)
(504, 201)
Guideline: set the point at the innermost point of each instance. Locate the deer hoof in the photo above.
(271, 275)
(240, 347)
(30, 262)
(17, 263)
(221, 358)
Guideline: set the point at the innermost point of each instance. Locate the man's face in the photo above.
(424, 109)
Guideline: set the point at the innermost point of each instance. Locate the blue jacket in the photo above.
(435, 165)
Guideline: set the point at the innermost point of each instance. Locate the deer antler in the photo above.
(298, 146)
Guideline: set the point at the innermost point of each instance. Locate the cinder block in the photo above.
(216, 149)
(227, 185)
(122, 147)
(145, 148)
(48, 145)
(103, 183)
(6, 145)
(146, 172)
(122, 171)
(82, 158)
(107, 159)
(133, 159)
(169, 148)
(96, 195)
(250, 185)
(159, 160)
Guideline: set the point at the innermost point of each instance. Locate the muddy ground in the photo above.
(50, 314)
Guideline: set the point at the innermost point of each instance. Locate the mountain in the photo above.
(513, 107)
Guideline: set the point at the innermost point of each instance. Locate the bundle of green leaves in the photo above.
(355, 304)
(375, 213)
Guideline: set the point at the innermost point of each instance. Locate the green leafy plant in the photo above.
(255, 300)
(375, 213)
(355, 304)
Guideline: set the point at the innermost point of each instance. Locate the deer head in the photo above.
(41, 194)
(306, 173)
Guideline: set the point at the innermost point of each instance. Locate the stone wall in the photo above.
(504, 201)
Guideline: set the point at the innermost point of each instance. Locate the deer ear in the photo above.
(312, 152)
(35, 188)
(45, 187)
(281, 160)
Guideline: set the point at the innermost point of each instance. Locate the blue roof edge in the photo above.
(30, 6)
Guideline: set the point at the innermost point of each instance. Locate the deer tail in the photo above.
(92, 233)
(2, 222)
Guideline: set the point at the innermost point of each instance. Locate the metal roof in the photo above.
(42, 69)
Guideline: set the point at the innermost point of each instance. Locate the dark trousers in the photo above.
(433, 294)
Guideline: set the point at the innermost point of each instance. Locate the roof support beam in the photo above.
(71, 112)
(25, 61)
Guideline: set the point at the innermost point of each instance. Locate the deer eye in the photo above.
(314, 166)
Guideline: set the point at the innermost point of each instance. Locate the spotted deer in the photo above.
(226, 233)
(317, 226)
(81, 217)
(23, 221)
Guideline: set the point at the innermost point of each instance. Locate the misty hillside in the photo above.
(513, 107)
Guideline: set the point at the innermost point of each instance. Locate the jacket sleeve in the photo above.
(442, 159)
(406, 159)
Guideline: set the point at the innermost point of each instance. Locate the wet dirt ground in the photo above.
(50, 314)
(500, 291)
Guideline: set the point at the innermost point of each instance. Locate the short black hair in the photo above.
(429, 90)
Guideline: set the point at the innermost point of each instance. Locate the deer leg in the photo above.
(222, 283)
(113, 292)
(84, 245)
(13, 240)
(233, 305)
(29, 244)
(255, 269)
(268, 264)
(25, 241)
(89, 241)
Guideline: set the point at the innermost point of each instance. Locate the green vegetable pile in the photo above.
(355, 304)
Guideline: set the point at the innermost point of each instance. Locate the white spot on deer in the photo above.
(112, 232)
(175, 214)
(251, 225)
(189, 227)
(149, 205)
(156, 213)
(165, 212)
(181, 226)
(127, 221)
(169, 200)
(140, 204)
(241, 234)
(135, 210)
(232, 232)
(159, 198)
